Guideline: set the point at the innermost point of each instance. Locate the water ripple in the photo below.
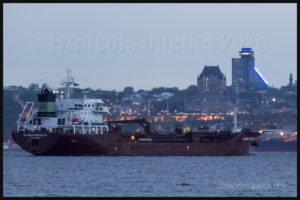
(259, 174)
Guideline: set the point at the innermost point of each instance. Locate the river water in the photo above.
(259, 174)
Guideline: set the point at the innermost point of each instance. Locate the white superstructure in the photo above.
(58, 113)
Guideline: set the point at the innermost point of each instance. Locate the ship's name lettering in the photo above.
(35, 135)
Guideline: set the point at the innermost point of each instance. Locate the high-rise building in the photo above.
(245, 75)
(211, 81)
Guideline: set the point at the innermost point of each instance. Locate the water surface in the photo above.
(259, 174)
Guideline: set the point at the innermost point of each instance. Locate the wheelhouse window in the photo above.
(99, 106)
(78, 107)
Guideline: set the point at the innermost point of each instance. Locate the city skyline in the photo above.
(148, 53)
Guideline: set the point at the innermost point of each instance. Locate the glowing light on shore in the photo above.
(294, 134)
(281, 133)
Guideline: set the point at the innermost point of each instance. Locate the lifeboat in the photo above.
(76, 121)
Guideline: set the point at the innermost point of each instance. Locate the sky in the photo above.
(111, 46)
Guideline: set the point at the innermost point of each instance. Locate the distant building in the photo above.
(291, 80)
(13, 88)
(245, 75)
(287, 126)
(120, 109)
(209, 104)
(211, 81)
(133, 99)
(163, 95)
(290, 88)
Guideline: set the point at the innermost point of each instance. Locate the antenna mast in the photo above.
(68, 84)
(235, 110)
(168, 104)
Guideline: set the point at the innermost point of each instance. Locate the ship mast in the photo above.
(167, 105)
(235, 123)
(68, 84)
(235, 111)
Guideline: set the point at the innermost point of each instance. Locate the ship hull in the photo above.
(49, 144)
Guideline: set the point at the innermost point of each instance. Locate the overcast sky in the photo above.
(110, 46)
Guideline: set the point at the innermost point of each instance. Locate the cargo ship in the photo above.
(64, 126)
(277, 140)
